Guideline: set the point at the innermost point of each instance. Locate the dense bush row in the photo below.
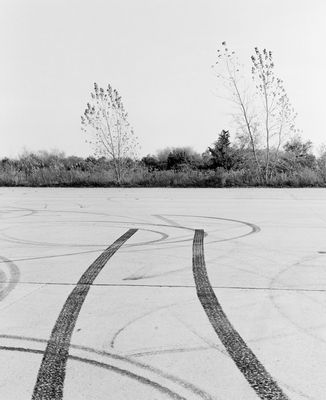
(222, 165)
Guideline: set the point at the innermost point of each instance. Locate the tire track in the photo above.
(139, 317)
(253, 228)
(13, 278)
(252, 369)
(283, 313)
(51, 375)
(128, 364)
(53, 256)
(123, 372)
(13, 239)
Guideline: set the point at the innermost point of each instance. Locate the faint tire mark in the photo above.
(124, 372)
(163, 237)
(253, 228)
(284, 314)
(139, 317)
(136, 276)
(172, 223)
(26, 213)
(126, 360)
(11, 280)
(51, 375)
(54, 255)
(168, 351)
(252, 369)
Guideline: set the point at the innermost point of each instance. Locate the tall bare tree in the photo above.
(111, 135)
(262, 111)
(234, 88)
(277, 116)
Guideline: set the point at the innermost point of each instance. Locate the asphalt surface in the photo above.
(162, 294)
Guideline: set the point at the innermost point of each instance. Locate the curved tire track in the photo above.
(124, 372)
(166, 380)
(14, 275)
(252, 369)
(51, 375)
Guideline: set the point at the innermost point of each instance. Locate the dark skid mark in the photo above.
(51, 375)
(252, 369)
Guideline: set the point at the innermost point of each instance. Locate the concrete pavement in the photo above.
(141, 331)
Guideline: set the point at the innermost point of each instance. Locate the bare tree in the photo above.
(262, 111)
(105, 119)
(277, 117)
(230, 74)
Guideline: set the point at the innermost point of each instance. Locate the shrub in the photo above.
(308, 177)
(46, 169)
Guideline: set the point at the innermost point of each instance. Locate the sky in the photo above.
(158, 55)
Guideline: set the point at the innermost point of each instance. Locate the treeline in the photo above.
(224, 164)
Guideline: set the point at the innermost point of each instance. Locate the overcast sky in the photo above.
(157, 54)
